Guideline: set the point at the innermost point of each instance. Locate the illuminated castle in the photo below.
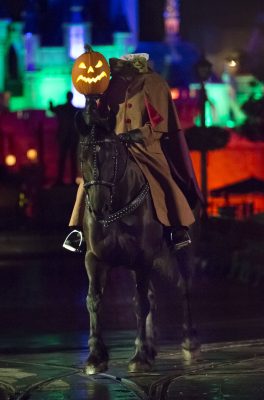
(36, 67)
(37, 53)
(34, 73)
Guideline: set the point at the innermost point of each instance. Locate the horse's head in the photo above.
(103, 160)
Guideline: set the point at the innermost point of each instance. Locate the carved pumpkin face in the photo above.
(90, 73)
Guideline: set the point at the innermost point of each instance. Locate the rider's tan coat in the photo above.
(146, 105)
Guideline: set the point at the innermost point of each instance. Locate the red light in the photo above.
(175, 93)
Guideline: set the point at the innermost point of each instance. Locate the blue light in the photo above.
(76, 41)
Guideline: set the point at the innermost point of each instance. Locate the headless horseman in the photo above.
(145, 118)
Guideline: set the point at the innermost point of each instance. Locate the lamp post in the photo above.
(204, 70)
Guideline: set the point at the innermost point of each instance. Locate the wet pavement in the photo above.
(44, 367)
(44, 333)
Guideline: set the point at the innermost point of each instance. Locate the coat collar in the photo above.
(136, 85)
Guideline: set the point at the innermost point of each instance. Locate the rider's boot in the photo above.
(74, 241)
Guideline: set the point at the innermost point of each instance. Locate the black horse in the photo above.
(121, 229)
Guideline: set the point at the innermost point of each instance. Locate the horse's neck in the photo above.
(130, 184)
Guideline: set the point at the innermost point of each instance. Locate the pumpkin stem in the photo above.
(88, 48)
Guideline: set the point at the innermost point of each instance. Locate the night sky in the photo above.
(200, 14)
(238, 13)
(196, 14)
(13, 7)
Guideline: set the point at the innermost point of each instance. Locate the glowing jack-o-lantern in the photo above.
(90, 73)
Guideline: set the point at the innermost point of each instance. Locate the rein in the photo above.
(129, 207)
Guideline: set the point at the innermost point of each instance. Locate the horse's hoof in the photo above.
(152, 353)
(92, 369)
(191, 348)
(191, 354)
(139, 366)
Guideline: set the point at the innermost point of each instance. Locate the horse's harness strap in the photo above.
(98, 182)
(128, 209)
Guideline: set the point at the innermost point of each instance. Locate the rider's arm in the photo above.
(160, 115)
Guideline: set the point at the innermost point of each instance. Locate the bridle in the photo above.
(93, 143)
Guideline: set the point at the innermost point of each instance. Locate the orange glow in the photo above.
(239, 160)
(175, 93)
(172, 25)
(32, 154)
(232, 63)
(10, 160)
(78, 180)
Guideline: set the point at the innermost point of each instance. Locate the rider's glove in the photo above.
(130, 137)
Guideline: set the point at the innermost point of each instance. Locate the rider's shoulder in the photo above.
(155, 81)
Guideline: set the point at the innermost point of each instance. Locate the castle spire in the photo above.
(171, 17)
(31, 19)
(77, 31)
(171, 20)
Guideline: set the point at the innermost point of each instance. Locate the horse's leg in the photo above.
(190, 344)
(97, 273)
(151, 328)
(140, 361)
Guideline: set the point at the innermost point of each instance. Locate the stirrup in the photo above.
(184, 241)
(74, 241)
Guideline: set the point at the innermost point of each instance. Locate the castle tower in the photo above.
(31, 36)
(172, 26)
(4, 23)
(181, 56)
(171, 20)
(77, 32)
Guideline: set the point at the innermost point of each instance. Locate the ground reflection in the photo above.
(96, 391)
